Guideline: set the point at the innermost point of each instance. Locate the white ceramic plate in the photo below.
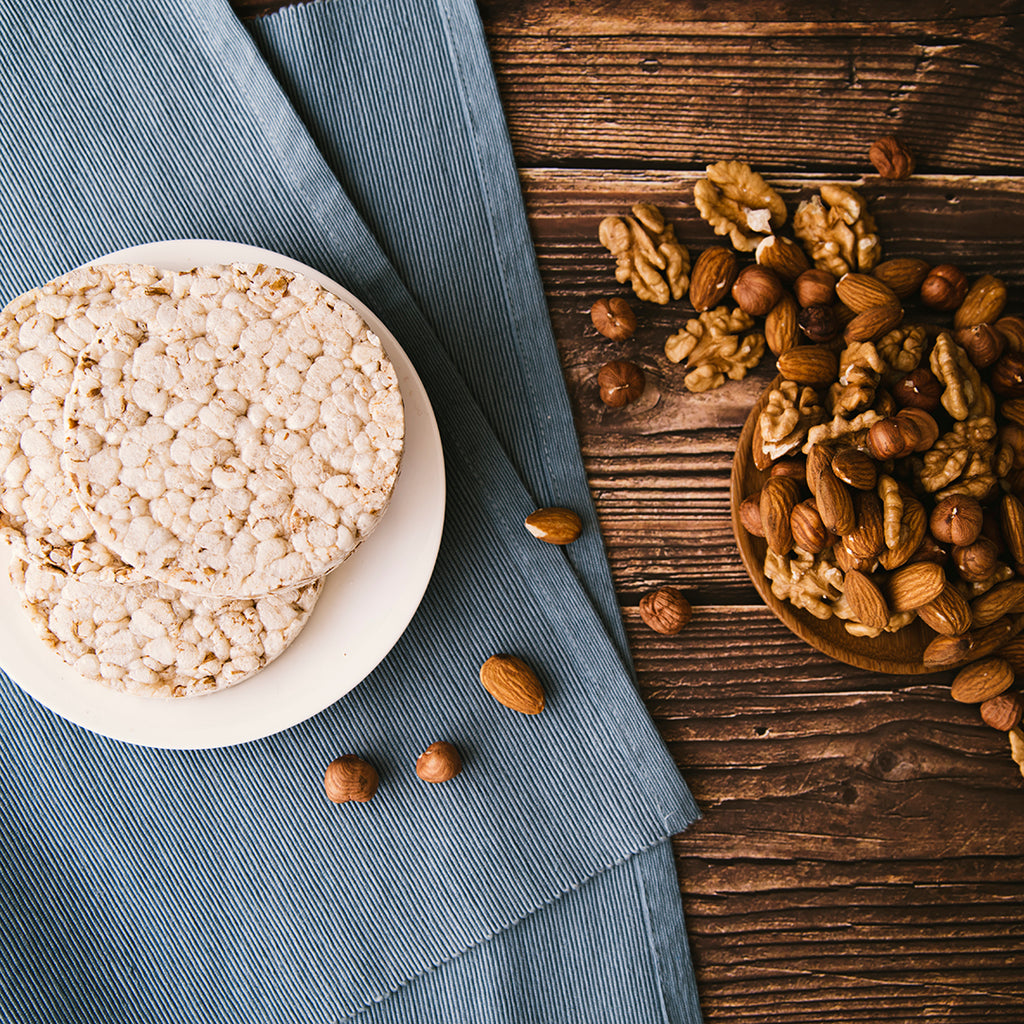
(365, 605)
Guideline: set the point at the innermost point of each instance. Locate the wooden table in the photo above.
(861, 857)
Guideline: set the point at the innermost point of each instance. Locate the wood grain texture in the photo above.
(681, 84)
(861, 854)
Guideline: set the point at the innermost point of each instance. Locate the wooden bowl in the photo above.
(899, 653)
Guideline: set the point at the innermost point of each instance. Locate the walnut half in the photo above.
(647, 254)
(736, 201)
(713, 345)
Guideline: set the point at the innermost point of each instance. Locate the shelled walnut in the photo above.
(837, 231)
(717, 344)
(736, 201)
(647, 254)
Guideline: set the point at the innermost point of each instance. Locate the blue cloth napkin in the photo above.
(220, 885)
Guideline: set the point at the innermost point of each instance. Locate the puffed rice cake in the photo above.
(147, 639)
(42, 334)
(237, 430)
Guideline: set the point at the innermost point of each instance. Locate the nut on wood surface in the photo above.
(665, 610)
(614, 318)
(982, 680)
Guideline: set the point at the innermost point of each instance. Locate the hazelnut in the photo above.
(350, 778)
(438, 763)
(891, 158)
(1008, 376)
(620, 383)
(815, 288)
(750, 515)
(944, 288)
(976, 562)
(757, 290)
(665, 610)
(818, 323)
(982, 343)
(885, 405)
(886, 440)
(957, 520)
(1002, 712)
(614, 318)
(920, 431)
(920, 389)
(1012, 330)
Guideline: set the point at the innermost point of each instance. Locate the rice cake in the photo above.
(236, 431)
(42, 334)
(147, 639)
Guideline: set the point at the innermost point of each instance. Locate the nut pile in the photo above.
(894, 437)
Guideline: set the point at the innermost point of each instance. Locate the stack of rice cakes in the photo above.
(183, 457)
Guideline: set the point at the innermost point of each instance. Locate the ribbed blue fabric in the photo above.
(220, 885)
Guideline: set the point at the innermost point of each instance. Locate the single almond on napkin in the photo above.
(510, 681)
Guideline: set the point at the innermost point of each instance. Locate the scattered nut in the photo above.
(837, 231)
(783, 256)
(736, 201)
(440, 762)
(904, 274)
(350, 778)
(647, 254)
(818, 323)
(982, 681)
(982, 304)
(757, 290)
(983, 343)
(554, 525)
(815, 288)
(665, 610)
(956, 520)
(1002, 712)
(717, 344)
(510, 681)
(713, 276)
(891, 158)
(919, 389)
(944, 288)
(614, 318)
(620, 383)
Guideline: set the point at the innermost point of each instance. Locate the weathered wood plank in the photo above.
(679, 85)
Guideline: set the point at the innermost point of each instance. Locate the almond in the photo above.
(1012, 518)
(855, 468)
(948, 614)
(809, 533)
(819, 458)
(861, 292)
(554, 525)
(867, 538)
(945, 651)
(904, 275)
(834, 504)
(982, 680)
(782, 255)
(873, 323)
(982, 304)
(809, 364)
(510, 681)
(866, 600)
(913, 528)
(780, 326)
(1003, 599)
(762, 460)
(778, 498)
(915, 585)
(714, 274)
